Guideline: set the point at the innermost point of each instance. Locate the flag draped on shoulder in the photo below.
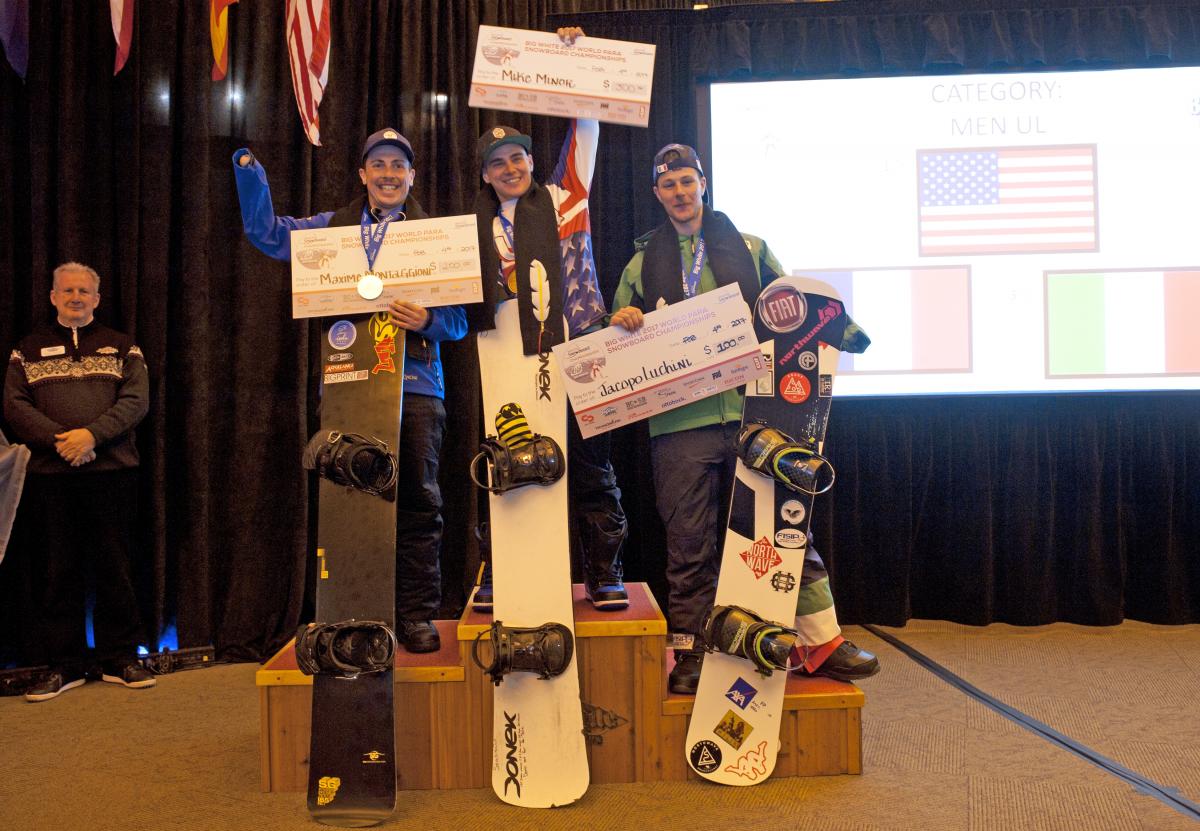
(308, 50)
(14, 33)
(218, 27)
(122, 23)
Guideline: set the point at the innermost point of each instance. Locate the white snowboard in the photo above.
(539, 756)
(733, 735)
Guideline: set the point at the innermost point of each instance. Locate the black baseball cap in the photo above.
(390, 136)
(493, 138)
(673, 157)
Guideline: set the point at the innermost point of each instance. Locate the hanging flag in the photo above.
(122, 23)
(14, 33)
(218, 27)
(308, 49)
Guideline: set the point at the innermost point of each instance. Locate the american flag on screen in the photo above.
(1007, 200)
(308, 49)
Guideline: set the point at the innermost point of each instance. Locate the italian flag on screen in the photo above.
(1122, 322)
(918, 319)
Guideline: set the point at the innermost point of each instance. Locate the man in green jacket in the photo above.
(692, 456)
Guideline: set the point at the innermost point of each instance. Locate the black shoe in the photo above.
(685, 677)
(847, 663)
(418, 635)
(53, 683)
(607, 591)
(128, 674)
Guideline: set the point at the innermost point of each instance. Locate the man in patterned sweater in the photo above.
(521, 221)
(73, 393)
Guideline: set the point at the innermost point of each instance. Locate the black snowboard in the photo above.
(352, 765)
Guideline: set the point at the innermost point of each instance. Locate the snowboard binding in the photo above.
(544, 649)
(352, 459)
(774, 454)
(517, 456)
(740, 632)
(346, 649)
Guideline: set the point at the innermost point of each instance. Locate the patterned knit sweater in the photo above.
(61, 378)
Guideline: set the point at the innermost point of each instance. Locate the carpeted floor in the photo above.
(185, 754)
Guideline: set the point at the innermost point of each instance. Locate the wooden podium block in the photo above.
(426, 685)
(635, 729)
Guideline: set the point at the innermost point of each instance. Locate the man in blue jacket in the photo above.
(387, 176)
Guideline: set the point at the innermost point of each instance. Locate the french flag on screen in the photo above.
(1007, 200)
(918, 319)
(1122, 323)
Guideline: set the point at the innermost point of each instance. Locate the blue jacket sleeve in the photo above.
(445, 323)
(270, 234)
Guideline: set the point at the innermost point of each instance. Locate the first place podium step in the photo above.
(635, 729)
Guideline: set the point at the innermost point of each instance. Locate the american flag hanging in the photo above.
(121, 12)
(308, 50)
(218, 27)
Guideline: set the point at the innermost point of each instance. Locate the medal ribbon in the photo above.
(373, 233)
(508, 268)
(691, 279)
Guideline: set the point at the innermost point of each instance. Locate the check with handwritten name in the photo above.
(434, 262)
(685, 352)
(535, 72)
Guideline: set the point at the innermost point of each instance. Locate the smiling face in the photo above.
(681, 193)
(509, 169)
(388, 177)
(75, 295)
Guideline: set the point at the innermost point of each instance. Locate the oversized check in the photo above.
(684, 352)
(434, 262)
(535, 72)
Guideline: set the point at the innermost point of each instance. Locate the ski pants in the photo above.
(419, 508)
(596, 516)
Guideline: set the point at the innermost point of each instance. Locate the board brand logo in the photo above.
(734, 729)
(761, 557)
(705, 756)
(752, 765)
(794, 388)
(792, 512)
(783, 581)
(327, 788)
(511, 766)
(741, 693)
(374, 757)
(384, 333)
(543, 376)
(782, 309)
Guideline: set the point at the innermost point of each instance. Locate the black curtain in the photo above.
(967, 509)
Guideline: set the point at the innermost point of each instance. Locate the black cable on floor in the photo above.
(1168, 796)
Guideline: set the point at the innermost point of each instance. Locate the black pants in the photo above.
(693, 478)
(592, 490)
(419, 508)
(79, 531)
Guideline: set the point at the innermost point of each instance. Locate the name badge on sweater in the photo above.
(50, 351)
